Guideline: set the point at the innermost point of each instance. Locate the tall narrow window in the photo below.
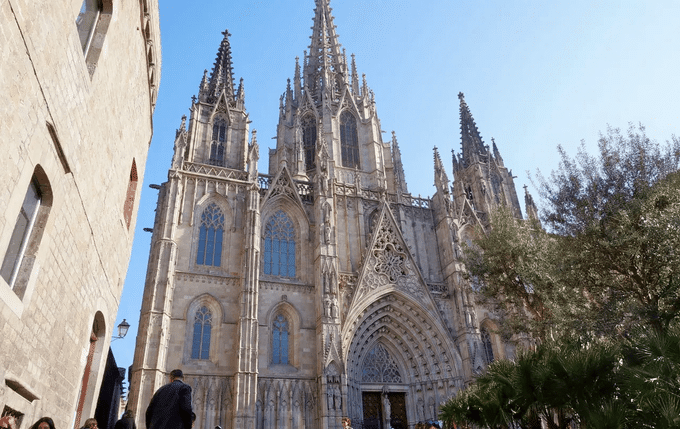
(280, 340)
(131, 193)
(210, 236)
(86, 22)
(487, 347)
(349, 141)
(23, 244)
(22, 230)
(279, 246)
(219, 138)
(309, 141)
(200, 346)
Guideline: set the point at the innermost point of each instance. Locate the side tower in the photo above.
(480, 178)
(199, 309)
(481, 184)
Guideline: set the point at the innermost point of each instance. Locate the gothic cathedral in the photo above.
(323, 288)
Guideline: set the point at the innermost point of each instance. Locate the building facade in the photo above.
(321, 288)
(69, 193)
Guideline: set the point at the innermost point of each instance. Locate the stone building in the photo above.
(322, 288)
(78, 84)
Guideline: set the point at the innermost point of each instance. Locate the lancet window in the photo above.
(309, 141)
(349, 141)
(24, 242)
(217, 145)
(379, 367)
(486, 344)
(279, 246)
(210, 236)
(200, 346)
(86, 22)
(280, 342)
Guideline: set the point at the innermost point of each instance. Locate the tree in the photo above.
(560, 384)
(609, 259)
(634, 383)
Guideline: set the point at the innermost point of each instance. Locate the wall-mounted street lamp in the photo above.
(122, 330)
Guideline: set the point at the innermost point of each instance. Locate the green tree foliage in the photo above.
(615, 219)
(631, 384)
(598, 289)
(609, 259)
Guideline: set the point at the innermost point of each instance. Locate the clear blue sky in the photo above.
(535, 74)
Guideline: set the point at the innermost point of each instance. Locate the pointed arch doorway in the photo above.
(383, 391)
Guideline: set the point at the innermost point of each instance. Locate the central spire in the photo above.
(222, 76)
(471, 141)
(325, 59)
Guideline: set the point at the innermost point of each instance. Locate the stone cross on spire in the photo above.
(222, 76)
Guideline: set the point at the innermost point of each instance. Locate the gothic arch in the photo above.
(416, 341)
(349, 139)
(301, 227)
(94, 365)
(218, 139)
(371, 223)
(217, 311)
(421, 339)
(395, 355)
(292, 315)
(310, 132)
(212, 197)
(204, 202)
(491, 328)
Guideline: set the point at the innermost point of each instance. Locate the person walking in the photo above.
(170, 407)
(127, 421)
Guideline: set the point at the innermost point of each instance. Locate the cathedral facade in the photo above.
(321, 288)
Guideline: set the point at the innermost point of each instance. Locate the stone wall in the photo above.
(59, 130)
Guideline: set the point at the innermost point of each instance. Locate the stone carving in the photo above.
(389, 263)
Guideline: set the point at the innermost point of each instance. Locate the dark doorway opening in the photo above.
(374, 413)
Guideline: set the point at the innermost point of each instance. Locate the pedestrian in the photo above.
(127, 421)
(8, 422)
(90, 423)
(346, 423)
(170, 407)
(43, 423)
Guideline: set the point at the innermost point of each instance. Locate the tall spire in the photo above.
(441, 180)
(399, 177)
(222, 76)
(532, 210)
(471, 142)
(496, 153)
(324, 62)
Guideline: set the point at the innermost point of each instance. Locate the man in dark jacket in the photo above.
(127, 421)
(170, 407)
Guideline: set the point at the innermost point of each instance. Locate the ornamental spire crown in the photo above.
(222, 75)
(471, 141)
(324, 63)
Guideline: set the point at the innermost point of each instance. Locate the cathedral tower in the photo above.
(323, 288)
(480, 177)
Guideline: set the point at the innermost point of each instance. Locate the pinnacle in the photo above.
(222, 76)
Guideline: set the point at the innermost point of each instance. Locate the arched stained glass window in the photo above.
(219, 138)
(280, 340)
(210, 236)
(349, 141)
(279, 246)
(379, 367)
(487, 347)
(200, 346)
(309, 141)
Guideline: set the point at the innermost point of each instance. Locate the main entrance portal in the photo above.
(384, 410)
